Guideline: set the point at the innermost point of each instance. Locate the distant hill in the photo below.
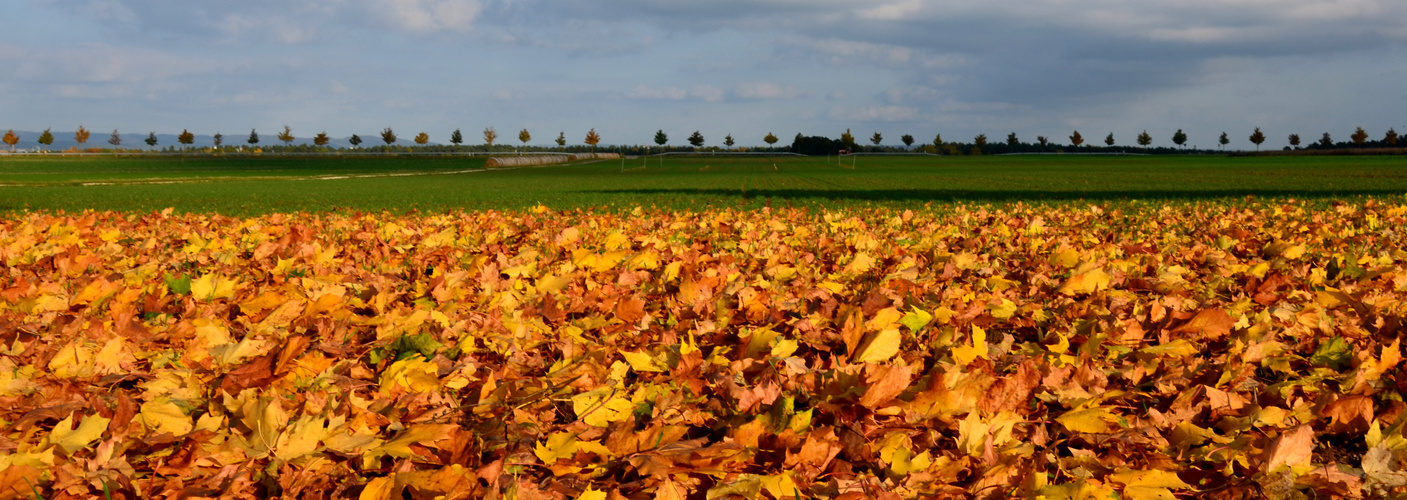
(63, 140)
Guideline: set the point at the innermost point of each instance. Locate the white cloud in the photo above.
(893, 11)
(873, 113)
(507, 95)
(667, 93)
(426, 16)
(707, 93)
(767, 90)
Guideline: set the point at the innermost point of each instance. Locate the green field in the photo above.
(251, 185)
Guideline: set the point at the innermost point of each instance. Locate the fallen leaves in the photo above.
(1144, 352)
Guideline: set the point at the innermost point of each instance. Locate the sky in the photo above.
(630, 67)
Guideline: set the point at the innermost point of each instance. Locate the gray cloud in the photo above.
(1037, 66)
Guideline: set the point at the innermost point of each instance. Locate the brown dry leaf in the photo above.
(1293, 448)
(1208, 324)
(886, 383)
(1350, 414)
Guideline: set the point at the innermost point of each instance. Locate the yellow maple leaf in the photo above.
(301, 437)
(210, 287)
(1086, 282)
(381, 488)
(1097, 420)
(860, 264)
(780, 486)
(600, 407)
(71, 440)
(881, 346)
(1148, 484)
(642, 362)
(965, 354)
(592, 494)
(558, 446)
(413, 374)
(72, 361)
(160, 415)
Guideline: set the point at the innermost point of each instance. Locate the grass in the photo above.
(251, 185)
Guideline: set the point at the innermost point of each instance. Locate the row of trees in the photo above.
(388, 136)
(661, 139)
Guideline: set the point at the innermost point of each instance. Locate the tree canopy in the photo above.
(456, 137)
(388, 136)
(1359, 136)
(286, 136)
(1257, 138)
(81, 135)
(1076, 139)
(253, 136)
(696, 139)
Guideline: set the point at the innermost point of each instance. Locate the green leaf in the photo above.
(915, 319)
(410, 345)
(1334, 353)
(180, 285)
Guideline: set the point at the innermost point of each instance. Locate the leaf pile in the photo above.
(1059, 352)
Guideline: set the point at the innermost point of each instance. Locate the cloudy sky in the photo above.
(629, 67)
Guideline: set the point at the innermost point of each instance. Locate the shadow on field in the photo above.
(1008, 195)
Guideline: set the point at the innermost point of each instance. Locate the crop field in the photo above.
(988, 327)
(255, 185)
